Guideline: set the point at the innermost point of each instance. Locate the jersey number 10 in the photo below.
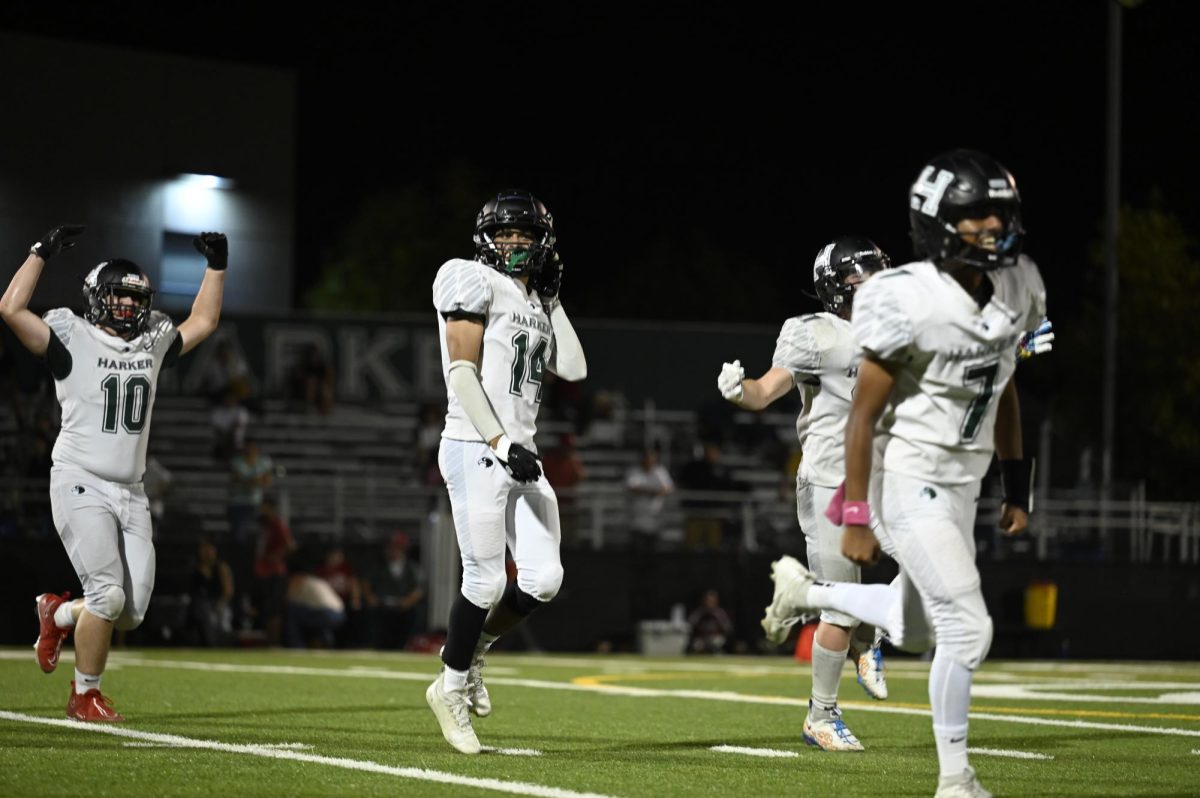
(132, 409)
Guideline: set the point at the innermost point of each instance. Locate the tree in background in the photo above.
(1158, 356)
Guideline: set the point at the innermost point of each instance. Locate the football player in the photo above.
(940, 339)
(105, 367)
(816, 354)
(501, 327)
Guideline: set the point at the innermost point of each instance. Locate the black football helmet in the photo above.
(965, 184)
(514, 208)
(106, 284)
(839, 260)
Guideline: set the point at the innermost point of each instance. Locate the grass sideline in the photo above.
(265, 723)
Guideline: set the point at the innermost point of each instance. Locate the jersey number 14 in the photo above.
(527, 364)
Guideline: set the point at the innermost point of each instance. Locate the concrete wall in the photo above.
(98, 135)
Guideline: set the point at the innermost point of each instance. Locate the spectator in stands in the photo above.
(648, 484)
(210, 591)
(227, 371)
(314, 612)
(564, 471)
(706, 474)
(250, 473)
(229, 424)
(342, 577)
(311, 381)
(395, 590)
(271, 570)
(709, 625)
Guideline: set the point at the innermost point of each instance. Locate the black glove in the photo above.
(520, 463)
(215, 249)
(56, 240)
(548, 279)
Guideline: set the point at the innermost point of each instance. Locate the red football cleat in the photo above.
(92, 707)
(50, 638)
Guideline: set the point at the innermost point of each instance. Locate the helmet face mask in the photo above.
(118, 296)
(514, 233)
(841, 266)
(950, 205)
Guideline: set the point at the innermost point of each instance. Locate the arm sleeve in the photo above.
(880, 324)
(463, 379)
(567, 360)
(796, 350)
(461, 290)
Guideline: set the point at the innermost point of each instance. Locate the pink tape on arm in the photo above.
(856, 514)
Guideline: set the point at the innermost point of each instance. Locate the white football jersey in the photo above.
(108, 395)
(819, 351)
(518, 342)
(956, 360)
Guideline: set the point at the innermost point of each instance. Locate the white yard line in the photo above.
(272, 746)
(1005, 752)
(737, 749)
(634, 692)
(487, 749)
(418, 774)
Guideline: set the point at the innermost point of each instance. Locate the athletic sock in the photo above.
(85, 682)
(868, 603)
(453, 680)
(63, 617)
(950, 699)
(826, 674)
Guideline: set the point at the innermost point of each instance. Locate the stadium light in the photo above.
(194, 180)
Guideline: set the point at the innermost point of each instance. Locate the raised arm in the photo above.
(566, 359)
(206, 309)
(30, 330)
(753, 394)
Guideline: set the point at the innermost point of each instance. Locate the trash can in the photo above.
(1041, 604)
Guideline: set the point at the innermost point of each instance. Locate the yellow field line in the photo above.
(601, 680)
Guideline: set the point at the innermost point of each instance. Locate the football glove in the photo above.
(215, 249)
(548, 280)
(57, 240)
(520, 463)
(1036, 342)
(729, 383)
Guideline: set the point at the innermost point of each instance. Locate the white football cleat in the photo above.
(450, 708)
(830, 734)
(792, 581)
(477, 694)
(871, 676)
(965, 785)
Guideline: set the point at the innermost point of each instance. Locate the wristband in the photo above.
(856, 514)
(1016, 476)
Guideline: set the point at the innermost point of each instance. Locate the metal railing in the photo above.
(601, 515)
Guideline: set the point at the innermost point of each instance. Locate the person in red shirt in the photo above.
(271, 571)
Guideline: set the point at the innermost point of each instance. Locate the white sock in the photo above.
(64, 618)
(454, 680)
(950, 698)
(826, 674)
(84, 682)
(869, 603)
(485, 642)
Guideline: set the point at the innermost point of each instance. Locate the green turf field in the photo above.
(216, 723)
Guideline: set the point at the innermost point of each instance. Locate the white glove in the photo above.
(1036, 342)
(729, 383)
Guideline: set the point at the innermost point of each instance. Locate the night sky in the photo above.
(661, 137)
